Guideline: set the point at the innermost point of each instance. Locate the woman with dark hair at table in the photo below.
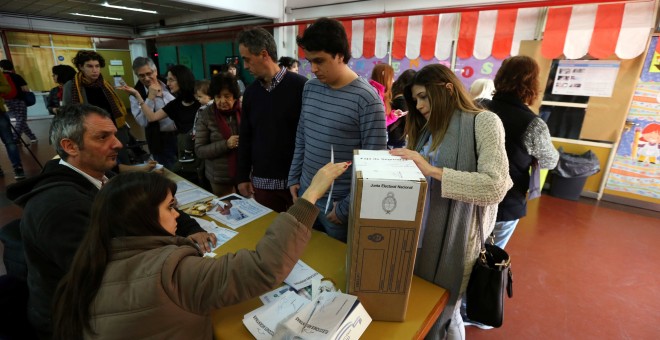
(132, 278)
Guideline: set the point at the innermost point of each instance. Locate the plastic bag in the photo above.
(572, 165)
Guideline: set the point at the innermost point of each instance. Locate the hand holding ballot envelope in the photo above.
(323, 180)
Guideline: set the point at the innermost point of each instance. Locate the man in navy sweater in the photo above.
(269, 119)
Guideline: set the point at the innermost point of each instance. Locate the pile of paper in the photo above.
(307, 308)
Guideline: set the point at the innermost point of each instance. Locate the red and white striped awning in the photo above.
(599, 30)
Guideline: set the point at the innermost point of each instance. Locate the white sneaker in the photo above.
(476, 324)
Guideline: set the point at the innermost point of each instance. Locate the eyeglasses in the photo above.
(145, 75)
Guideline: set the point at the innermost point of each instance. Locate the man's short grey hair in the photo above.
(142, 61)
(258, 39)
(69, 123)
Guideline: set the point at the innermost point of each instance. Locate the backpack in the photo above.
(13, 93)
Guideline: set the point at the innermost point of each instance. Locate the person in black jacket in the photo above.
(527, 138)
(17, 107)
(61, 75)
(57, 204)
(396, 135)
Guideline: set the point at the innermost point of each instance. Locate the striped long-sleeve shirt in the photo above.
(349, 118)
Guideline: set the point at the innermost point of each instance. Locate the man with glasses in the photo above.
(161, 135)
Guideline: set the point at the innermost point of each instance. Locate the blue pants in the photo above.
(336, 231)
(503, 232)
(8, 140)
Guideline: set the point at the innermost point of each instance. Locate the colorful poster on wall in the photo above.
(591, 78)
(654, 66)
(636, 166)
(467, 70)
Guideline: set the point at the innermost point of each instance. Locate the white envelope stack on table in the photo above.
(307, 307)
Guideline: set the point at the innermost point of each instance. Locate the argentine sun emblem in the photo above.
(389, 203)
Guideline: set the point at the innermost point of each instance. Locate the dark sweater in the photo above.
(516, 117)
(268, 128)
(396, 135)
(182, 115)
(96, 96)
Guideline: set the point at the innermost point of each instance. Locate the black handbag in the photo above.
(29, 98)
(490, 277)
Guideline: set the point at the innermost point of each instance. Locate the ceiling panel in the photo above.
(62, 9)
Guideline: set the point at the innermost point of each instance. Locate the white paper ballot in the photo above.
(263, 323)
(301, 276)
(182, 186)
(382, 165)
(222, 235)
(319, 319)
(190, 196)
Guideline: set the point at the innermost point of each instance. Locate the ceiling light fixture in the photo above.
(105, 4)
(96, 16)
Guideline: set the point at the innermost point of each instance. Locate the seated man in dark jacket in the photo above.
(57, 203)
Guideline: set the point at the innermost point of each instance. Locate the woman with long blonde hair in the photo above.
(460, 149)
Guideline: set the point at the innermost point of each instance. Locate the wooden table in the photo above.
(328, 256)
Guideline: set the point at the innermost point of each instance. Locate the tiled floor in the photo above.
(582, 270)
(43, 152)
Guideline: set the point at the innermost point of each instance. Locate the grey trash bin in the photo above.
(571, 173)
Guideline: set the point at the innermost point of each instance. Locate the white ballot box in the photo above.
(387, 206)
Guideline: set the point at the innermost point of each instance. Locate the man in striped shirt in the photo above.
(339, 110)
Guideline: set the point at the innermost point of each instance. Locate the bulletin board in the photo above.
(605, 116)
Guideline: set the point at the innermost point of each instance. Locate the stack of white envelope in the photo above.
(332, 315)
(307, 307)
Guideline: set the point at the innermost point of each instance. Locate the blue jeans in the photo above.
(503, 232)
(336, 231)
(8, 139)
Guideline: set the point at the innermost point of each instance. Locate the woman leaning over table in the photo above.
(133, 279)
(216, 134)
(460, 150)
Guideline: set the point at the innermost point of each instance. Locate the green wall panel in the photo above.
(166, 58)
(192, 57)
(216, 53)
